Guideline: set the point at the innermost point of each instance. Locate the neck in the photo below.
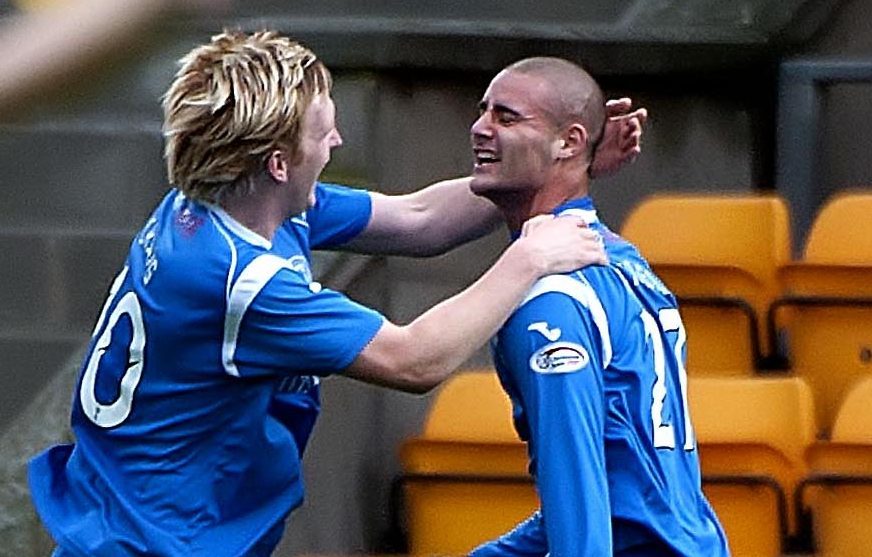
(258, 207)
(521, 205)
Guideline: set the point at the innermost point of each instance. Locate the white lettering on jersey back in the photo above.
(581, 291)
(542, 327)
(147, 241)
(642, 275)
(559, 357)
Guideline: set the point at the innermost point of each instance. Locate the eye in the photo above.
(506, 118)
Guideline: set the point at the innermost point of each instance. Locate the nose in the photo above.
(336, 138)
(481, 126)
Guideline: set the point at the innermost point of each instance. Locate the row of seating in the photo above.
(748, 306)
(776, 488)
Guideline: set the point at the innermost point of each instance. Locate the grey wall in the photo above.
(845, 136)
(79, 176)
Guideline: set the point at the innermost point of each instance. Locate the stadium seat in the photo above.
(823, 320)
(719, 254)
(751, 435)
(837, 495)
(465, 477)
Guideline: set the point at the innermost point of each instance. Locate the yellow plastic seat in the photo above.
(838, 492)
(824, 317)
(465, 477)
(719, 254)
(751, 435)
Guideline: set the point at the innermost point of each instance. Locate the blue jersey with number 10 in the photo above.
(594, 364)
(200, 385)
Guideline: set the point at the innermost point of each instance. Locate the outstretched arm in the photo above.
(426, 222)
(446, 214)
(418, 356)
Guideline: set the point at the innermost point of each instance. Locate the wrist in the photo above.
(529, 262)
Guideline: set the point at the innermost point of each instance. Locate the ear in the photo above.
(277, 165)
(572, 142)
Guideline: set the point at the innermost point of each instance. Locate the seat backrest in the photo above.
(471, 406)
(830, 347)
(749, 232)
(853, 422)
(842, 231)
(774, 412)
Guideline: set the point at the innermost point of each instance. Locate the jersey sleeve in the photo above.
(289, 326)
(527, 539)
(338, 216)
(554, 349)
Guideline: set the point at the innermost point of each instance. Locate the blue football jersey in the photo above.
(200, 385)
(593, 362)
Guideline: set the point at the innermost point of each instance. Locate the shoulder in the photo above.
(569, 299)
(590, 287)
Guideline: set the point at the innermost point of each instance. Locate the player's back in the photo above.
(651, 457)
(169, 445)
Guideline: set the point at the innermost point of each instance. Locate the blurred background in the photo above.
(747, 95)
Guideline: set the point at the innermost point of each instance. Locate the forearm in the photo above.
(452, 331)
(428, 222)
(571, 471)
(454, 215)
(418, 356)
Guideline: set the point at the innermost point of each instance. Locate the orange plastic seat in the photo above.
(838, 493)
(751, 435)
(824, 317)
(465, 477)
(719, 254)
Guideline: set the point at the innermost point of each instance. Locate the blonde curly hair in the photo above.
(232, 102)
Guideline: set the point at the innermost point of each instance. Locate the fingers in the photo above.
(533, 223)
(630, 134)
(640, 114)
(617, 107)
(594, 250)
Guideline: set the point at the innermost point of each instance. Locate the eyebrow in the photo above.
(501, 108)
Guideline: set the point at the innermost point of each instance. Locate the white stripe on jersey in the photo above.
(580, 290)
(229, 240)
(587, 215)
(238, 228)
(251, 281)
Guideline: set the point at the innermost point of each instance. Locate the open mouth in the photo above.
(485, 158)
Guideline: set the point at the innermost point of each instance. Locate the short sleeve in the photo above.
(292, 327)
(338, 216)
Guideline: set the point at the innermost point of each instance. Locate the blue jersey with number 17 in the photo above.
(594, 364)
(200, 385)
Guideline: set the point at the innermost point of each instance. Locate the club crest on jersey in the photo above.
(559, 357)
(299, 264)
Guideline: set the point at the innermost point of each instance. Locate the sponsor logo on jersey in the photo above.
(559, 357)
